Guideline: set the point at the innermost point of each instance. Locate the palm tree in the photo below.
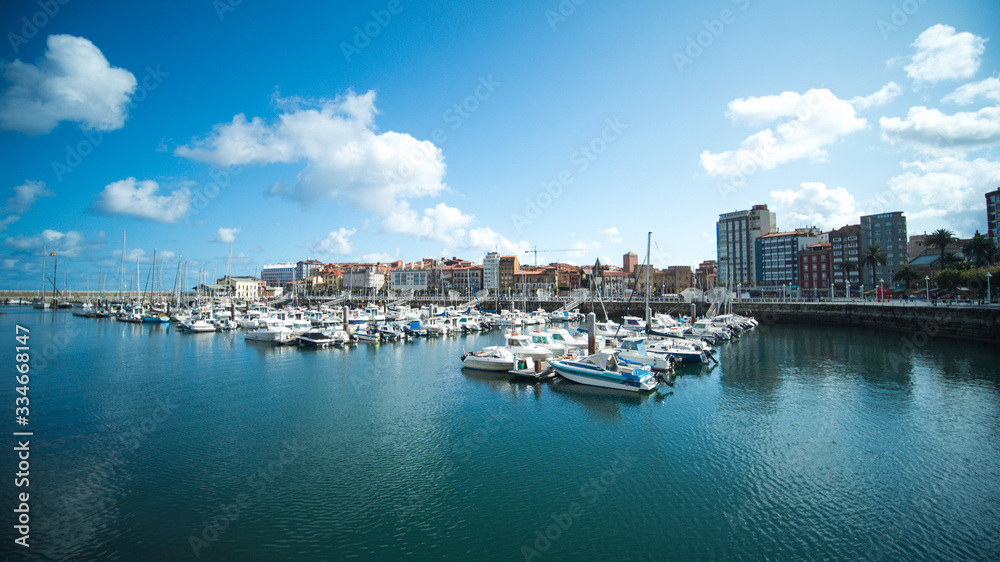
(907, 274)
(941, 238)
(874, 256)
(847, 267)
(981, 250)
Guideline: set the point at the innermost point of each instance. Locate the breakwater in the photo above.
(918, 323)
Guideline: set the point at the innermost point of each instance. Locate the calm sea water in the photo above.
(803, 443)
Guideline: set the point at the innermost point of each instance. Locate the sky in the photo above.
(376, 131)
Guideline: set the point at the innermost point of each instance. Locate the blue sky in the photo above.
(400, 130)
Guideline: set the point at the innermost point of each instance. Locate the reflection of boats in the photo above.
(494, 358)
(607, 370)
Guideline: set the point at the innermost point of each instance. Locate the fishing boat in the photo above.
(605, 369)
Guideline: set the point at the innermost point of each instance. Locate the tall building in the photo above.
(629, 261)
(887, 231)
(776, 255)
(736, 234)
(491, 271)
(509, 265)
(705, 275)
(993, 215)
(816, 269)
(307, 268)
(845, 246)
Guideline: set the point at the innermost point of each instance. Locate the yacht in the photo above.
(494, 358)
(271, 330)
(605, 369)
(522, 345)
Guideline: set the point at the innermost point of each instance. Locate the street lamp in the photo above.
(862, 291)
(989, 296)
(739, 291)
(881, 290)
(847, 280)
(927, 287)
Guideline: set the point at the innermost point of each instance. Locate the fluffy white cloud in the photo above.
(933, 132)
(945, 186)
(378, 257)
(967, 93)
(225, 235)
(71, 82)
(70, 244)
(612, 234)
(811, 122)
(486, 239)
(943, 54)
(24, 197)
(884, 95)
(440, 223)
(815, 205)
(336, 242)
(344, 155)
(140, 200)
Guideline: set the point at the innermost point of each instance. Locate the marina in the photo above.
(802, 442)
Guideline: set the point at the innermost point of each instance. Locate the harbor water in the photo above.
(802, 443)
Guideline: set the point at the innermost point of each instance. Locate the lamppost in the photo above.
(739, 291)
(862, 291)
(989, 296)
(789, 293)
(847, 280)
(927, 287)
(881, 290)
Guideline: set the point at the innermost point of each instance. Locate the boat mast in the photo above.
(121, 279)
(43, 277)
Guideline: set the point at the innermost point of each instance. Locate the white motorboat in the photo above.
(521, 344)
(605, 369)
(314, 339)
(271, 330)
(494, 358)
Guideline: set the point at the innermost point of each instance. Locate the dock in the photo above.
(543, 371)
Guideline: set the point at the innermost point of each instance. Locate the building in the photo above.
(491, 271)
(776, 256)
(307, 268)
(705, 275)
(466, 279)
(278, 274)
(845, 246)
(629, 261)
(736, 235)
(670, 281)
(993, 216)
(816, 269)
(367, 279)
(530, 280)
(509, 266)
(916, 245)
(888, 232)
(246, 288)
(408, 279)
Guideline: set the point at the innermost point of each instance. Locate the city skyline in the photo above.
(388, 131)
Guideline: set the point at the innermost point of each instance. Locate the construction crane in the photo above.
(536, 250)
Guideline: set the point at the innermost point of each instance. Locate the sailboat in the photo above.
(153, 317)
(41, 304)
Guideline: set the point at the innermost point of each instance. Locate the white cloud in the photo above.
(70, 244)
(71, 82)
(612, 234)
(815, 205)
(24, 197)
(485, 238)
(378, 257)
(933, 132)
(967, 93)
(140, 200)
(336, 242)
(812, 121)
(945, 186)
(345, 158)
(884, 95)
(225, 235)
(440, 223)
(943, 54)
(139, 255)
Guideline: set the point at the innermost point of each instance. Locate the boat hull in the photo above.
(602, 379)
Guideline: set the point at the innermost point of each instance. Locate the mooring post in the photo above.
(591, 333)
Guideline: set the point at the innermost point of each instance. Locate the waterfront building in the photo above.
(278, 274)
(993, 216)
(509, 266)
(887, 231)
(776, 256)
(246, 288)
(816, 269)
(706, 274)
(530, 280)
(307, 268)
(367, 279)
(629, 262)
(466, 278)
(491, 271)
(736, 235)
(409, 279)
(845, 246)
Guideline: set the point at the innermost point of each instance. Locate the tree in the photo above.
(941, 238)
(949, 279)
(981, 250)
(907, 274)
(847, 267)
(873, 256)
